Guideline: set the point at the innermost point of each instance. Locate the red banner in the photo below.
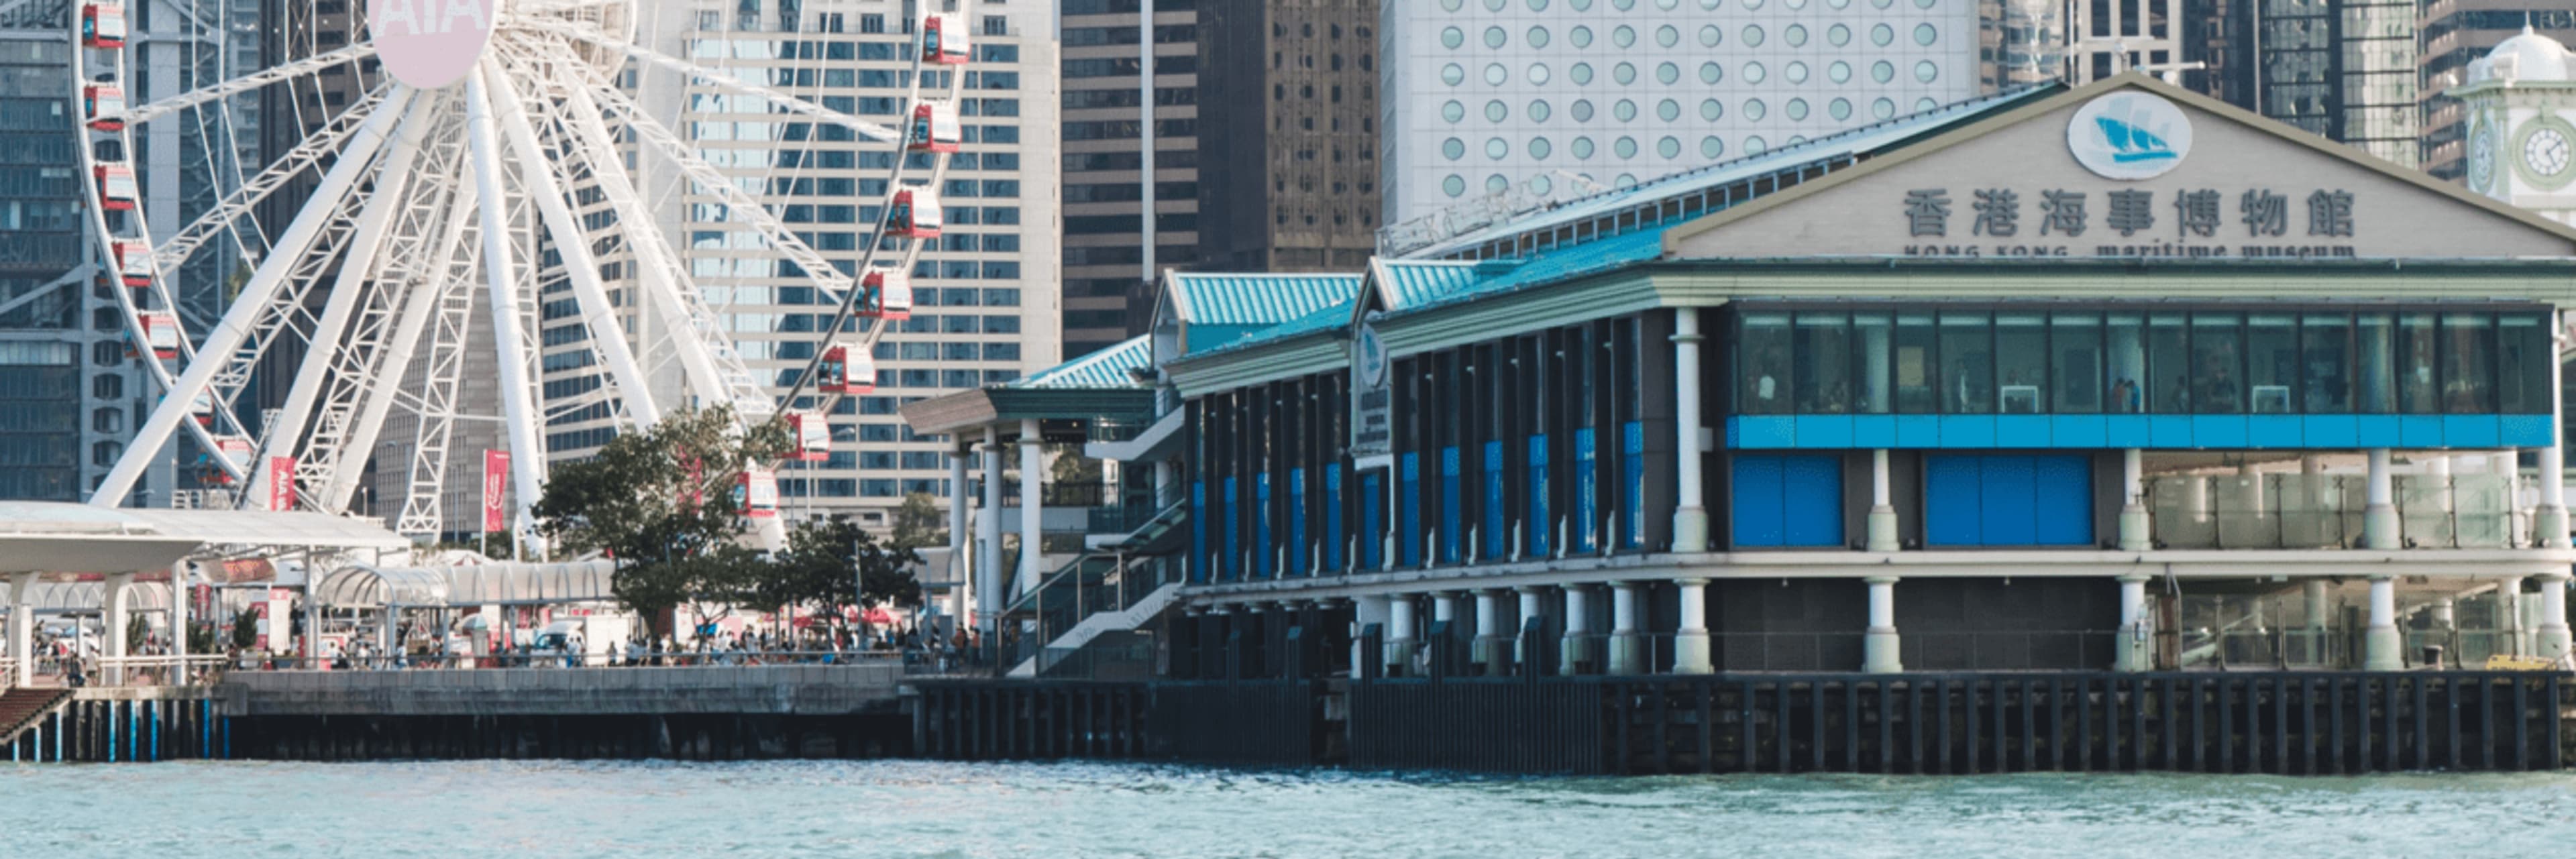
(496, 470)
(281, 483)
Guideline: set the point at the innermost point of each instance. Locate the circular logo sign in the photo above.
(428, 44)
(1372, 355)
(2129, 136)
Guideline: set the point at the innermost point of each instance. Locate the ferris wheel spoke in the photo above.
(714, 77)
(713, 181)
(234, 207)
(264, 77)
(527, 460)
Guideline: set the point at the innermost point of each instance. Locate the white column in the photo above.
(118, 596)
(2551, 519)
(2509, 604)
(2320, 614)
(2379, 529)
(1690, 517)
(1533, 604)
(2381, 643)
(988, 528)
(961, 542)
(1032, 504)
(1444, 607)
(1488, 618)
(1627, 641)
(179, 619)
(2551, 641)
(1399, 631)
(2137, 531)
(2437, 468)
(1690, 642)
(1577, 643)
(1365, 610)
(1878, 645)
(22, 628)
(1882, 506)
(2132, 650)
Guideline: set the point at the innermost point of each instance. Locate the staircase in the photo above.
(20, 708)
(1131, 617)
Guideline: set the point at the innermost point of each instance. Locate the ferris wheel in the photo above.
(485, 161)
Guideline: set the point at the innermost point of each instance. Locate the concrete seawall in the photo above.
(770, 690)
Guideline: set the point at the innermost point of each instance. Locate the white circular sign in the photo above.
(1372, 357)
(427, 44)
(2129, 135)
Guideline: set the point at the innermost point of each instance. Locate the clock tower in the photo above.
(2520, 103)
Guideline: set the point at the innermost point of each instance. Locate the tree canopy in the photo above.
(661, 504)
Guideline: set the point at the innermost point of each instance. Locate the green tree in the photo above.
(823, 559)
(918, 522)
(661, 504)
(245, 630)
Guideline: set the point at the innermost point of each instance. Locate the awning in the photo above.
(57, 537)
(461, 585)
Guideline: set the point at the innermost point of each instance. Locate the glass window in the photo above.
(1871, 351)
(2468, 363)
(1765, 357)
(2125, 361)
(2522, 367)
(2169, 356)
(2075, 352)
(2271, 363)
(1824, 363)
(2325, 356)
(1967, 364)
(2374, 340)
(2416, 390)
(2218, 362)
(1916, 355)
(2021, 363)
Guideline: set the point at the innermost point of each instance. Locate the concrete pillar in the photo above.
(2380, 642)
(1690, 516)
(179, 618)
(2551, 519)
(961, 554)
(2320, 613)
(988, 531)
(1167, 478)
(1444, 607)
(1878, 645)
(1627, 639)
(2379, 528)
(1365, 610)
(1400, 634)
(22, 628)
(1882, 508)
(1488, 618)
(1577, 643)
(2509, 604)
(1032, 502)
(1690, 642)
(2137, 531)
(118, 594)
(1533, 605)
(2134, 647)
(2437, 468)
(2551, 640)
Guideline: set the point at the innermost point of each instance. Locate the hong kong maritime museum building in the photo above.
(2102, 377)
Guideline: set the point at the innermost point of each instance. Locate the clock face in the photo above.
(2482, 157)
(2546, 152)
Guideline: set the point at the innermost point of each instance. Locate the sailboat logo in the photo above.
(2129, 136)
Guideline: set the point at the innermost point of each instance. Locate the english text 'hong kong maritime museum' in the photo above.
(2106, 377)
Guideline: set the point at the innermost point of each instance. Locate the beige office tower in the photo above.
(1108, 269)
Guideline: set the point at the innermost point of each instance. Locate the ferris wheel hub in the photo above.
(428, 44)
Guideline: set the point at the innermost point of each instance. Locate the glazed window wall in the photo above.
(2213, 362)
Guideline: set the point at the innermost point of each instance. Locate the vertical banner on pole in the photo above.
(496, 474)
(281, 483)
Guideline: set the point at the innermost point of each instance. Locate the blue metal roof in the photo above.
(1407, 283)
(1256, 299)
(1106, 368)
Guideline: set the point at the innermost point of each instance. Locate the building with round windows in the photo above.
(1556, 98)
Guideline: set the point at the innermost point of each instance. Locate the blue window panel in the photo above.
(1632, 489)
(2063, 497)
(1498, 529)
(2330, 431)
(1759, 517)
(2218, 431)
(2470, 431)
(2523, 430)
(1918, 431)
(1731, 432)
(2419, 431)
(1824, 431)
(1264, 558)
(1542, 525)
(1408, 543)
(1452, 531)
(1811, 500)
(1967, 430)
(1232, 512)
(2377, 431)
(1953, 504)
(1199, 561)
(1766, 431)
(2275, 431)
(1372, 521)
(2169, 431)
(2127, 431)
(2079, 431)
(2022, 431)
(1333, 539)
(1873, 431)
(1587, 491)
(2008, 501)
(1299, 551)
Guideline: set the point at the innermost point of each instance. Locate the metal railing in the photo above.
(2320, 511)
(709, 659)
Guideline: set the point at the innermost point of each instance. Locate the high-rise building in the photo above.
(45, 325)
(2455, 33)
(2343, 69)
(1510, 102)
(2107, 37)
(986, 303)
(1292, 162)
(1108, 269)
(2020, 42)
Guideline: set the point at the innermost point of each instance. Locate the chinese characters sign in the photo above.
(2183, 222)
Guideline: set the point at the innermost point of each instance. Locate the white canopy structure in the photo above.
(362, 586)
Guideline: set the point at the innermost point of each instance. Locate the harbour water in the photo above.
(917, 809)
